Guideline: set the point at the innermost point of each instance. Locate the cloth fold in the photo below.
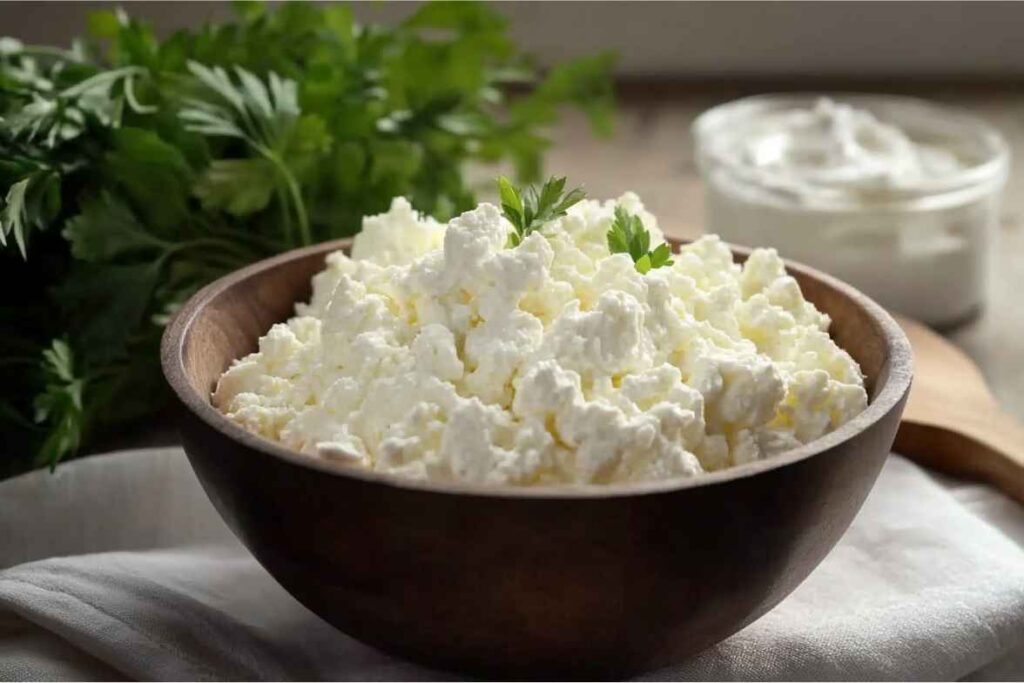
(119, 566)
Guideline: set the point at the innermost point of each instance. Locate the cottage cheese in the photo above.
(437, 353)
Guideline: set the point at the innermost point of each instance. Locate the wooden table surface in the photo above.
(652, 154)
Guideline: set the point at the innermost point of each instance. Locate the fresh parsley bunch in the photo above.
(134, 170)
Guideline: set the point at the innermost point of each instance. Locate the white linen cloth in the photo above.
(118, 566)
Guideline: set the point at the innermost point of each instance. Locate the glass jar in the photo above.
(895, 195)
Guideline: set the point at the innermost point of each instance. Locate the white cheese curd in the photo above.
(435, 352)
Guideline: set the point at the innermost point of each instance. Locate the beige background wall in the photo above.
(689, 40)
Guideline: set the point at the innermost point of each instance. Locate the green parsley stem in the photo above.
(54, 52)
(295, 194)
(102, 78)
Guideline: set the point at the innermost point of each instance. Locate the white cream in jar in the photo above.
(894, 195)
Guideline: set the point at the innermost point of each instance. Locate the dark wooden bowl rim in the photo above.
(894, 387)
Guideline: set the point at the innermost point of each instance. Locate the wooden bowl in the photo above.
(521, 582)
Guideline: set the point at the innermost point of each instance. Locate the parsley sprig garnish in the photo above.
(629, 236)
(528, 210)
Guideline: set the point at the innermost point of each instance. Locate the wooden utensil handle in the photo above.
(989, 448)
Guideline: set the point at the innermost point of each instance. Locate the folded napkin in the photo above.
(118, 566)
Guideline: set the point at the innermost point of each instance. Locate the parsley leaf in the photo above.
(629, 236)
(528, 211)
(153, 176)
(31, 202)
(104, 306)
(261, 115)
(243, 107)
(12, 217)
(239, 186)
(60, 404)
(107, 229)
